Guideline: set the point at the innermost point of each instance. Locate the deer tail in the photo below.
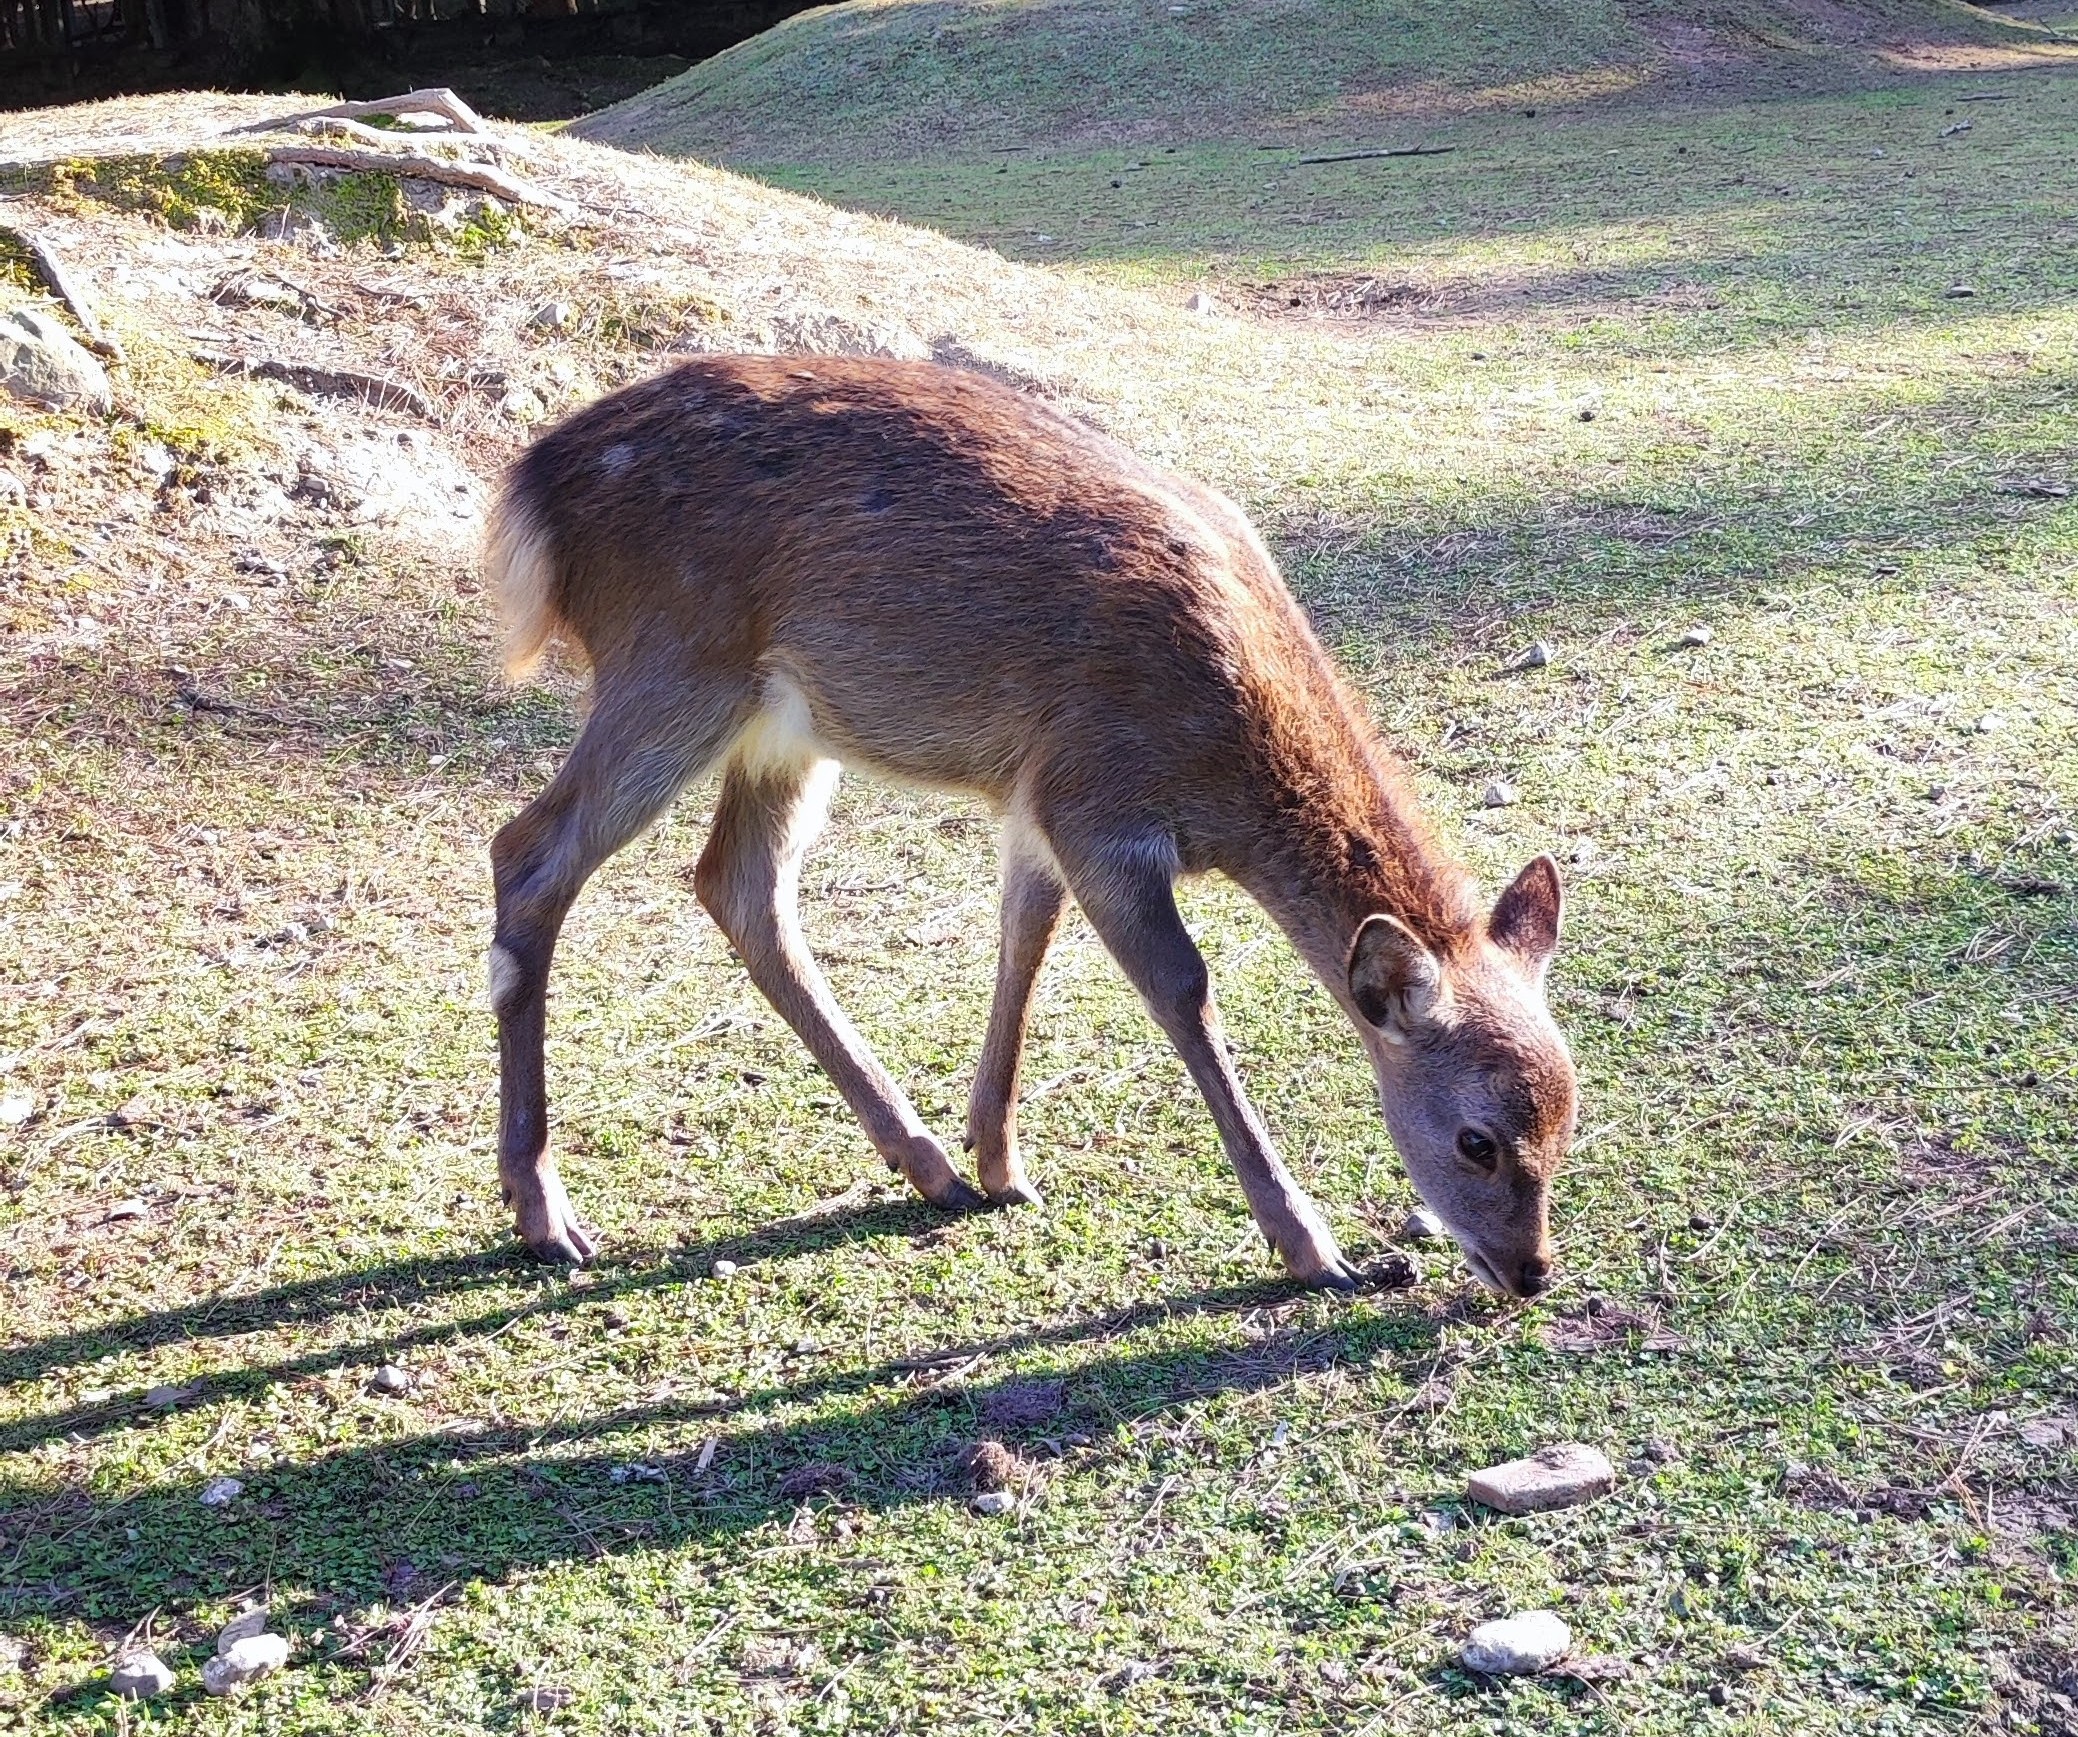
(520, 563)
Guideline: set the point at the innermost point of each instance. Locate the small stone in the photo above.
(637, 1473)
(17, 1105)
(545, 1700)
(124, 1210)
(42, 363)
(1499, 794)
(1518, 1645)
(243, 1626)
(1423, 1226)
(1661, 1451)
(390, 1379)
(221, 1492)
(552, 316)
(139, 1677)
(1694, 638)
(164, 1395)
(1534, 656)
(246, 1661)
(1960, 292)
(1201, 303)
(724, 1270)
(1989, 723)
(1584, 850)
(993, 1502)
(1554, 1477)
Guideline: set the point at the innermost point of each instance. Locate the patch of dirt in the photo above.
(1020, 1406)
(1335, 295)
(1599, 1325)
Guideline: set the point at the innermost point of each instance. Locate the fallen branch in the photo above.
(52, 270)
(375, 389)
(410, 166)
(1399, 151)
(438, 100)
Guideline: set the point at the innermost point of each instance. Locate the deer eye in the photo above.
(1477, 1148)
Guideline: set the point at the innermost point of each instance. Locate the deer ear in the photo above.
(1525, 918)
(1395, 981)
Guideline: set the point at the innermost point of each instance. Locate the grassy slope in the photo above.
(918, 79)
(1818, 1234)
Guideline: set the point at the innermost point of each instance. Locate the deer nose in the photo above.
(1536, 1276)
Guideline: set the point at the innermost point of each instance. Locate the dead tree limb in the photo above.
(411, 166)
(437, 100)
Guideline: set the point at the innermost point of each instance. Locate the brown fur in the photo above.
(772, 563)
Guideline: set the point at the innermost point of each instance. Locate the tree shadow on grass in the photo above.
(471, 1502)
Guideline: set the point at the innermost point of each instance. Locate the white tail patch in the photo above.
(520, 565)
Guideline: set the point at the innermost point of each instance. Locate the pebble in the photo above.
(1422, 1226)
(16, 1107)
(1695, 637)
(724, 1270)
(993, 1502)
(162, 1396)
(123, 1210)
(1957, 292)
(1990, 722)
(390, 1379)
(41, 363)
(246, 1661)
(1535, 656)
(1201, 303)
(552, 316)
(221, 1492)
(140, 1676)
(1499, 794)
(1558, 1476)
(545, 1700)
(1520, 1645)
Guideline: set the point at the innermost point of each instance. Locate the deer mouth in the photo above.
(1483, 1271)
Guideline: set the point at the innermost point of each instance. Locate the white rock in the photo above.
(1695, 636)
(139, 1677)
(1990, 722)
(552, 316)
(390, 1379)
(723, 1270)
(221, 1492)
(1423, 1226)
(124, 1209)
(1534, 656)
(1558, 1476)
(1499, 794)
(994, 1502)
(248, 1660)
(41, 362)
(17, 1105)
(1533, 1640)
(1201, 303)
(243, 1626)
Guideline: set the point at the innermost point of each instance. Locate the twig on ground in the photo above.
(52, 270)
(1366, 156)
(409, 165)
(376, 389)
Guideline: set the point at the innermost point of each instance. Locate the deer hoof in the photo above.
(1017, 1192)
(547, 1223)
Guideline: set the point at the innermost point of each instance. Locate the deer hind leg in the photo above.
(631, 759)
(748, 878)
(1126, 888)
(1033, 898)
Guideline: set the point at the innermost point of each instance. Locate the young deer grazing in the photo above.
(779, 566)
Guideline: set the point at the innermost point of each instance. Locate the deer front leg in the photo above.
(1033, 898)
(1127, 891)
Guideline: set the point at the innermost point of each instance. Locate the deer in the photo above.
(777, 568)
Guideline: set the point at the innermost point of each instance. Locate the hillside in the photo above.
(874, 79)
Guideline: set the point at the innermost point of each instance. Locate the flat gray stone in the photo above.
(1423, 1226)
(241, 1627)
(1515, 1646)
(43, 364)
(1559, 1476)
(246, 1661)
(390, 1379)
(221, 1492)
(140, 1676)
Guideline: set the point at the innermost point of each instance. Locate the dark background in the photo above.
(523, 59)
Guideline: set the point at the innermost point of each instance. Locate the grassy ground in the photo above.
(1820, 975)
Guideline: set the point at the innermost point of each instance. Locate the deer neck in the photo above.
(1357, 850)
